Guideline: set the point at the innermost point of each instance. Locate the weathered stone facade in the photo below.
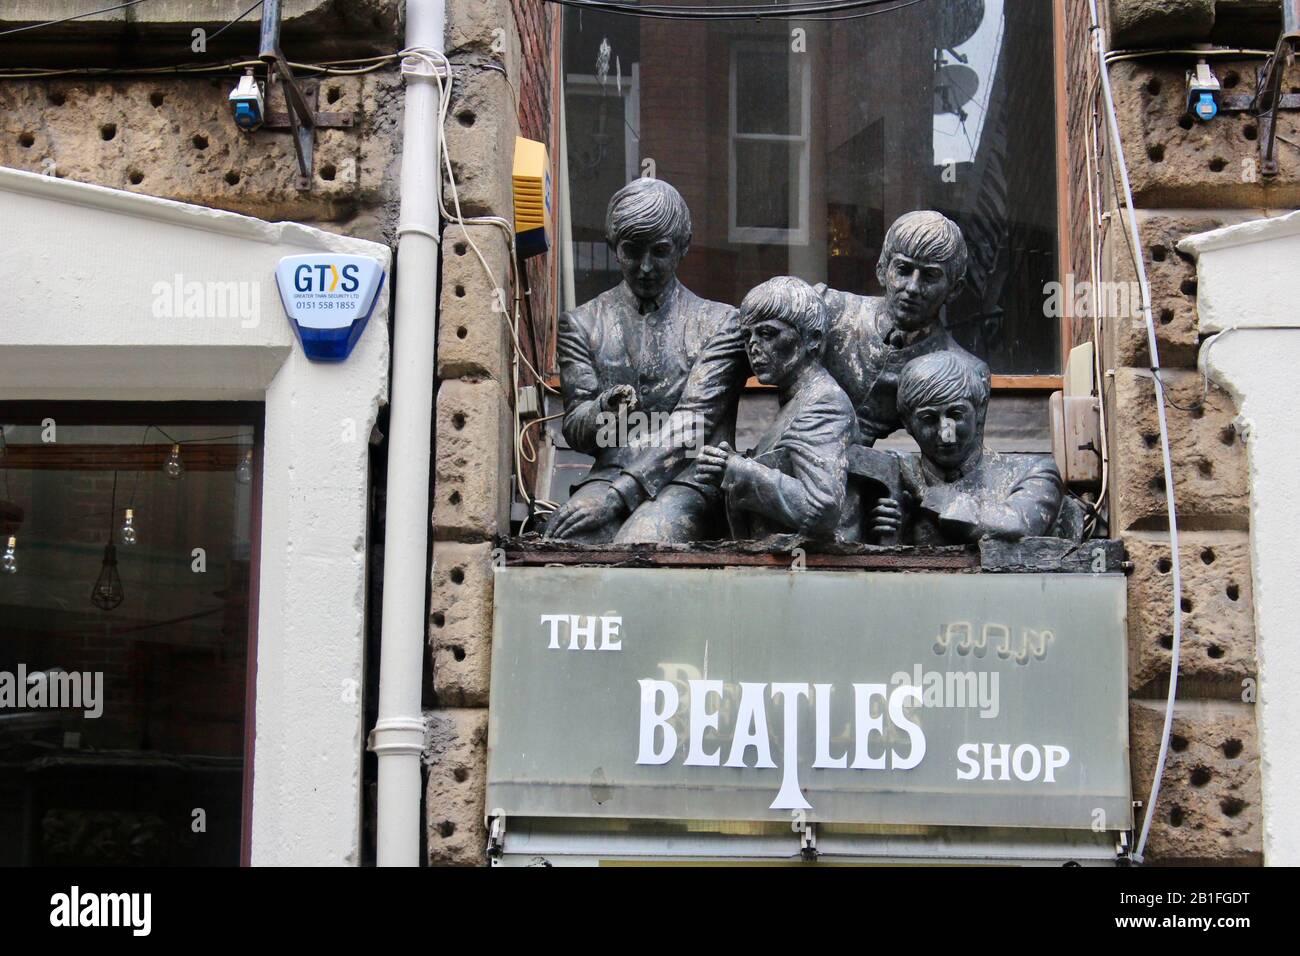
(1187, 177)
(173, 136)
(502, 51)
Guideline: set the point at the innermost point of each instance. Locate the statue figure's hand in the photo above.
(711, 463)
(887, 516)
(619, 396)
(579, 515)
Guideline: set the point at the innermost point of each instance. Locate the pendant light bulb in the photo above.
(9, 563)
(107, 593)
(172, 467)
(244, 471)
(128, 528)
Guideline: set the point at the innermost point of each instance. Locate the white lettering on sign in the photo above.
(582, 630)
(990, 761)
(660, 700)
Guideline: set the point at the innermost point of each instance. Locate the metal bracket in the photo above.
(496, 837)
(301, 117)
(1268, 100)
(808, 843)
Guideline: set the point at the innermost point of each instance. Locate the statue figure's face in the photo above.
(916, 290)
(776, 350)
(648, 266)
(947, 433)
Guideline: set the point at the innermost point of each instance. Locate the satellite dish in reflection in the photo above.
(954, 86)
(956, 22)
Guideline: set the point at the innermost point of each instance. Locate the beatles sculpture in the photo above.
(848, 370)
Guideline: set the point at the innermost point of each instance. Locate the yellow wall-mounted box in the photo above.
(532, 189)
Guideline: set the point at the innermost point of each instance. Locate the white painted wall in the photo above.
(81, 268)
(1246, 293)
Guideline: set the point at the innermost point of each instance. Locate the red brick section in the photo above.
(1081, 99)
(535, 22)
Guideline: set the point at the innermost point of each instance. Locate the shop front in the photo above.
(185, 520)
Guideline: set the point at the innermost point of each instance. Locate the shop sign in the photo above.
(845, 697)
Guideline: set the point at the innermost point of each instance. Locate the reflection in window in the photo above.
(130, 590)
(769, 143)
(797, 142)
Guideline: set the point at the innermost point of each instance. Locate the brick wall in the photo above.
(535, 22)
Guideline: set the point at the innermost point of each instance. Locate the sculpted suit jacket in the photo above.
(863, 359)
(992, 495)
(797, 479)
(687, 356)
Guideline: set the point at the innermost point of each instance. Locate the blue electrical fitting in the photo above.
(247, 104)
(1203, 92)
(1206, 108)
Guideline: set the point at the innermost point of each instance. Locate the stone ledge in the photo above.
(160, 31)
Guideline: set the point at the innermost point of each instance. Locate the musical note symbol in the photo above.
(967, 643)
(1005, 650)
(1039, 653)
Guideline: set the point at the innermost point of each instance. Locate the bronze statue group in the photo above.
(848, 370)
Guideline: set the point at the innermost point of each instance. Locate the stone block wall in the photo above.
(172, 135)
(1187, 177)
(501, 51)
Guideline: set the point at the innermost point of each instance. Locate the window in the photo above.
(797, 142)
(770, 115)
(131, 640)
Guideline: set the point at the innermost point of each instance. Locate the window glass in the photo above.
(129, 638)
(797, 142)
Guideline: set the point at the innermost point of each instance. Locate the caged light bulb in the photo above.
(107, 592)
(244, 471)
(128, 528)
(172, 467)
(9, 563)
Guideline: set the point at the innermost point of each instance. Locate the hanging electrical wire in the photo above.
(440, 68)
(230, 24)
(848, 10)
(77, 16)
(1124, 193)
(327, 68)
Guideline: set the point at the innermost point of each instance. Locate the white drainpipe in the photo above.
(398, 735)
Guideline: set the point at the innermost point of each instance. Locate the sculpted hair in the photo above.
(646, 209)
(788, 300)
(941, 377)
(930, 236)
